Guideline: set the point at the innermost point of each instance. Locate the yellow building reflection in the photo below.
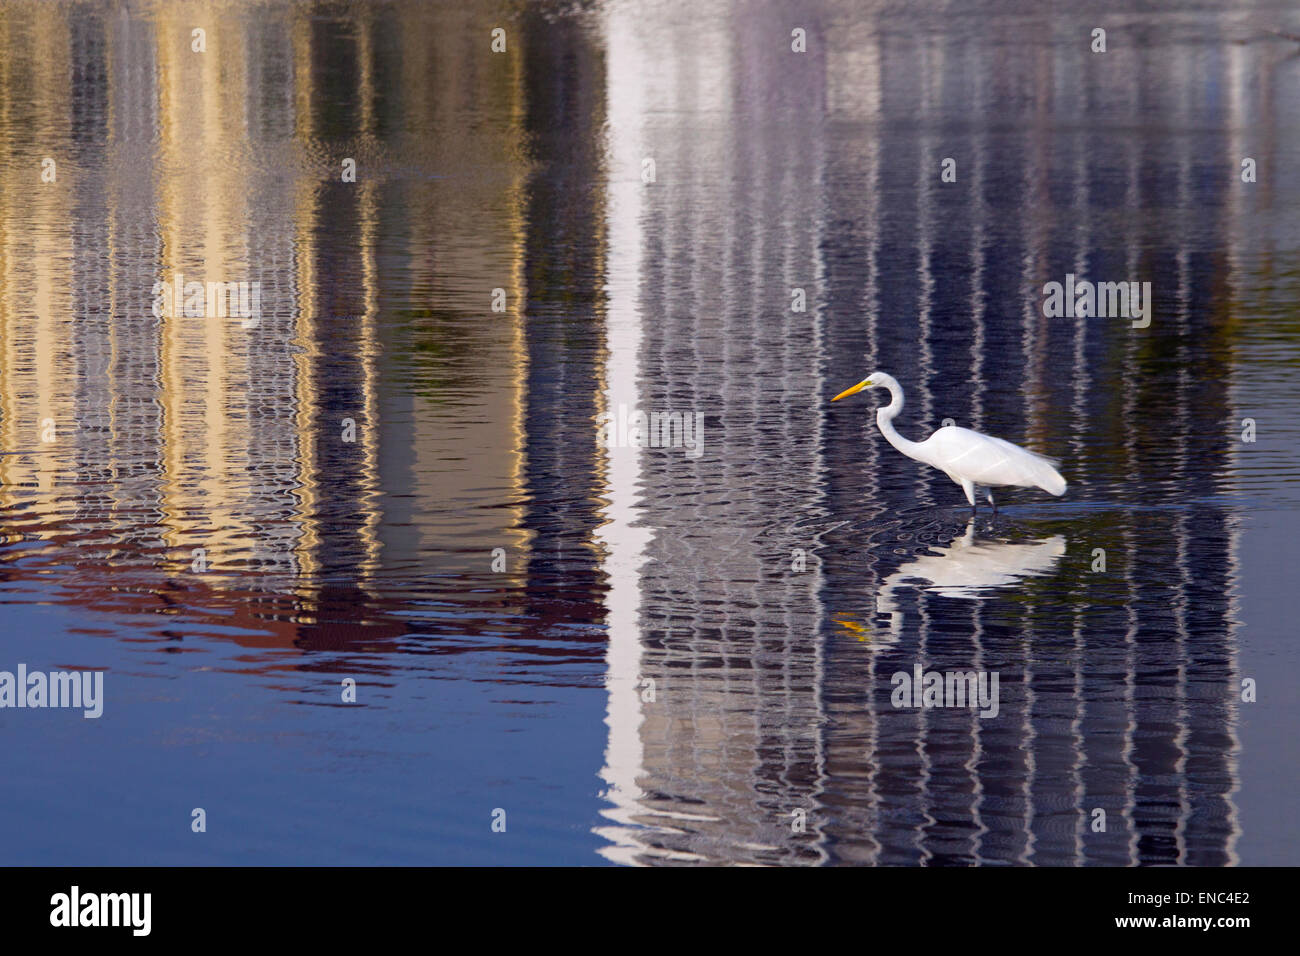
(293, 453)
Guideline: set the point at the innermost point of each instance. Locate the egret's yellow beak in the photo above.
(852, 391)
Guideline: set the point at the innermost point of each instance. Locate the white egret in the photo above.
(966, 457)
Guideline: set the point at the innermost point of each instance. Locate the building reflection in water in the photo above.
(476, 430)
(1116, 700)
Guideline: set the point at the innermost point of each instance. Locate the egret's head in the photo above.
(874, 380)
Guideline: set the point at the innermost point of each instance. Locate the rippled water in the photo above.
(647, 655)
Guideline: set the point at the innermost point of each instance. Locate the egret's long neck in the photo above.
(885, 422)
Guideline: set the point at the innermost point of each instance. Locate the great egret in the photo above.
(966, 457)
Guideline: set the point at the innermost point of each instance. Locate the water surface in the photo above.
(647, 655)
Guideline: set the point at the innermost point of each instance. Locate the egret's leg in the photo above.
(993, 503)
(968, 486)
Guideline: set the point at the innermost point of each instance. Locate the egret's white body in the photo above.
(966, 457)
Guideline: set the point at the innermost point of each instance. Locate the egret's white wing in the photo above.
(986, 460)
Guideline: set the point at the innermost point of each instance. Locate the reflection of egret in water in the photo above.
(970, 568)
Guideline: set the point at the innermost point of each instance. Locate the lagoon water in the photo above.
(647, 655)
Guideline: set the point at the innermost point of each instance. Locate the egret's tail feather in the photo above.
(1051, 481)
(1040, 471)
(1043, 473)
